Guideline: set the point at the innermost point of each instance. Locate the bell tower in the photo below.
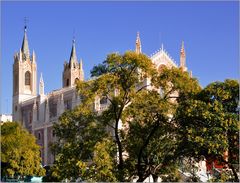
(73, 71)
(24, 77)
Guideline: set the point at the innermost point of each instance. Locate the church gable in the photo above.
(162, 58)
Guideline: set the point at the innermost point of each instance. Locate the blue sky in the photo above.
(210, 31)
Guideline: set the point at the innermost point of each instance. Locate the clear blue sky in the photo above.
(210, 31)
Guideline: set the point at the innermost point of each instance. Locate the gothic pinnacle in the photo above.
(138, 44)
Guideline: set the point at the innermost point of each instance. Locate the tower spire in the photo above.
(73, 57)
(138, 44)
(25, 47)
(183, 58)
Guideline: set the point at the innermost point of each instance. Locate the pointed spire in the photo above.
(183, 58)
(73, 56)
(25, 48)
(41, 85)
(41, 78)
(182, 49)
(190, 74)
(138, 44)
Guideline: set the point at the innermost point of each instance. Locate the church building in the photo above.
(38, 111)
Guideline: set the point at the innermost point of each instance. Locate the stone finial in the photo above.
(183, 58)
(33, 57)
(138, 44)
(182, 49)
(81, 65)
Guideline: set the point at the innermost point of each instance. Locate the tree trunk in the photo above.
(234, 173)
(155, 178)
(119, 145)
(142, 177)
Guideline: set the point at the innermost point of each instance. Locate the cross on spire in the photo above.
(25, 23)
(25, 47)
(74, 34)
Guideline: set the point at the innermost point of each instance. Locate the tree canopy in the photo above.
(20, 155)
(134, 121)
(208, 125)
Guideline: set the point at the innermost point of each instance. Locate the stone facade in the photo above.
(37, 113)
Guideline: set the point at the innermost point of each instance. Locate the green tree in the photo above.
(152, 136)
(19, 152)
(209, 124)
(119, 78)
(103, 165)
(78, 132)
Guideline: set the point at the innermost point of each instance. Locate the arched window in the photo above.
(76, 81)
(27, 78)
(16, 83)
(103, 100)
(39, 136)
(67, 82)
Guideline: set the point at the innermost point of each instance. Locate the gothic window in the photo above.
(52, 108)
(103, 100)
(67, 104)
(67, 82)
(39, 136)
(27, 78)
(16, 83)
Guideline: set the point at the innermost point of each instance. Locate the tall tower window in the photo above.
(67, 82)
(15, 83)
(39, 136)
(27, 78)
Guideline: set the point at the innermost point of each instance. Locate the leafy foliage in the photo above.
(103, 165)
(208, 124)
(77, 132)
(124, 75)
(20, 153)
(152, 136)
(144, 128)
